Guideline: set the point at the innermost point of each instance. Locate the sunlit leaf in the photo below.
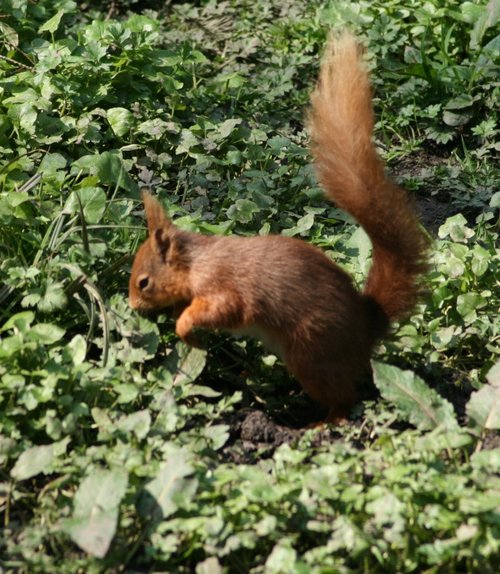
(38, 459)
(95, 510)
(416, 402)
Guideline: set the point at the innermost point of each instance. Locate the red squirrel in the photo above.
(287, 292)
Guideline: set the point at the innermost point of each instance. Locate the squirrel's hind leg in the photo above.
(328, 383)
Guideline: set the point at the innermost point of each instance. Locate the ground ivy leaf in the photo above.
(187, 141)
(209, 566)
(283, 558)
(217, 435)
(111, 170)
(52, 163)
(493, 375)
(95, 512)
(416, 402)
(468, 303)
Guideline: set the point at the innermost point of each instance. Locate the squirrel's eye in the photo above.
(143, 282)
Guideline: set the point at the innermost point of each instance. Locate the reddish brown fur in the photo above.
(288, 292)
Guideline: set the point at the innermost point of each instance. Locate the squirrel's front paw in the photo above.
(184, 329)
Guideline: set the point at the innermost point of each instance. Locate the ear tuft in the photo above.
(155, 213)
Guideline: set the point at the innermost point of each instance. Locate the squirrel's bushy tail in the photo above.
(353, 176)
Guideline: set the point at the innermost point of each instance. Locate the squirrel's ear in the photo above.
(155, 214)
(161, 240)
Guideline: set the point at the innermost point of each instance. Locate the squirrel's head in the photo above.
(159, 276)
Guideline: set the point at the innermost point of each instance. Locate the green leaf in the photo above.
(483, 408)
(121, 120)
(217, 435)
(388, 513)
(138, 423)
(303, 224)
(53, 24)
(52, 298)
(493, 376)
(190, 364)
(468, 303)
(495, 200)
(38, 459)
(209, 566)
(46, 333)
(52, 163)
(95, 512)
(456, 228)
(361, 241)
(188, 140)
(480, 261)
(226, 128)
(487, 460)
(93, 200)
(459, 102)
(243, 210)
(416, 402)
(77, 348)
(283, 558)
(20, 321)
(161, 496)
(109, 168)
